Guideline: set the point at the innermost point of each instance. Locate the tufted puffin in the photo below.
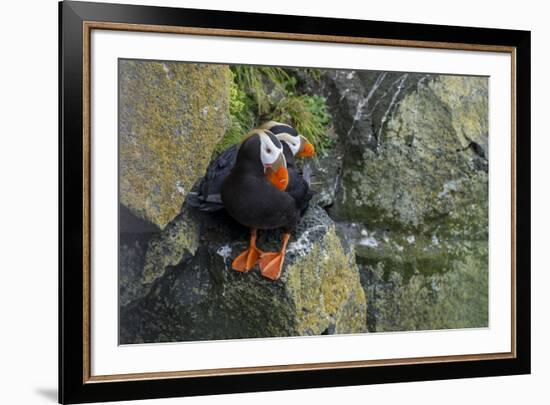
(254, 195)
(208, 197)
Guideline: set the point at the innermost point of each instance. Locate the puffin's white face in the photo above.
(270, 152)
(293, 142)
(273, 160)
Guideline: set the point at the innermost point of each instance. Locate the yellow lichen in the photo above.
(469, 119)
(171, 117)
(323, 285)
(179, 239)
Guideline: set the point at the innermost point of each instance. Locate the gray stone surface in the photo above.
(413, 194)
(200, 298)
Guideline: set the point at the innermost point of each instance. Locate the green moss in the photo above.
(455, 298)
(241, 117)
(313, 73)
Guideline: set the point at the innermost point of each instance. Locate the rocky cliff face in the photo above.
(412, 146)
(413, 193)
(395, 237)
(198, 297)
(171, 117)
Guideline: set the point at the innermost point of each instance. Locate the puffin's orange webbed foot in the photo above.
(246, 260)
(271, 264)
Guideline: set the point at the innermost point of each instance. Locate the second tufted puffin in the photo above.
(294, 144)
(253, 194)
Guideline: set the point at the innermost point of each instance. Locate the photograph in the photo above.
(260, 201)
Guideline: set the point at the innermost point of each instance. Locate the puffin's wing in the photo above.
(299, 190)
(209, 193)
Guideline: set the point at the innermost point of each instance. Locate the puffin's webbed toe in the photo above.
(247, 259)
(271, 264)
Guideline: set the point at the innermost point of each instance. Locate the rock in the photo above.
(415, 282)
(200, 298)
(171, 117)
(413, 196)
(453, 297)
(326, 169)
(178, 241)
(131, 259)
(145, 253)
(135, 235)
(418, 189)
(414, 147)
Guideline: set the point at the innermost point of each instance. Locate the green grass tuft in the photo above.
(264, 93)
(259, 81)
(308, 115)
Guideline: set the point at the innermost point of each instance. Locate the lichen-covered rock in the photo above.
(326, 168)
(131, 257)
(413, 196)
(416, 148)
(178, 241)
(201, 298)
(171, 117)
(146, 253)
(453, 297)
(415, 282)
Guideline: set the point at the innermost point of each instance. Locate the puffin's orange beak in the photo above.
(307, 149)
(277, 174)
(278, 178)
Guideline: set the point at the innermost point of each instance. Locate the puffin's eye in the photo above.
(268, 150)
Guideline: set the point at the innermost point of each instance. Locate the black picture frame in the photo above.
(73, 387)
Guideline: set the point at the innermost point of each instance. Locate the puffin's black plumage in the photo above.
(251, 199)
(297, 187)
(208, 197)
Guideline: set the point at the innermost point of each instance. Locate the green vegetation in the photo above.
(262, 93)
(258, 81)
(308, 115)
(240, 115)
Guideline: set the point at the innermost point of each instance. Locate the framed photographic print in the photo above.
(256, 202)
